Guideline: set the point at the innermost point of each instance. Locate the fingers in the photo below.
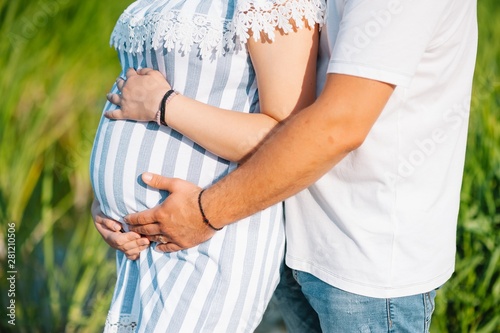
(145, 71)
(101, 220)
(145, 229)
(169, 247)
(136, 253)
(114, 98)
(157, 238)
(130, 243)
(158, 181)
(132, 248)
(126, 240)
(129, 240)
(120, 83)
(131, 72)
(108, 223)
(114, 238)
(114, 114)
(152, 72)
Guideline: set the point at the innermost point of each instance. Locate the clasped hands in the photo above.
(176, 223)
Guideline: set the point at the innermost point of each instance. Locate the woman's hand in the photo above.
(130, 243)
(140, 95)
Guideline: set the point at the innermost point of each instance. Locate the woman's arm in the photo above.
(286, 77)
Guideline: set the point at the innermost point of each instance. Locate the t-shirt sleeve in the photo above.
(256, 17)
(384, 39)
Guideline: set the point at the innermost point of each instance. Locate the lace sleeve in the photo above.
(265, 16)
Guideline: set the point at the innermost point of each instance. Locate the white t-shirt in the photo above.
(382, 223)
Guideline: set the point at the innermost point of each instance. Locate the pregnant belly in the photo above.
(123, 150)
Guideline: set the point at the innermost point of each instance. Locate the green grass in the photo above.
(56, 68)
(470, 301)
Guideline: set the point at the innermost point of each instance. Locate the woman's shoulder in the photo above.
(264, 17)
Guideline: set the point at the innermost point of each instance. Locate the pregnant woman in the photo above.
(216, 53)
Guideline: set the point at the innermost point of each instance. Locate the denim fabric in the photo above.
(343, 312)
(297, 313)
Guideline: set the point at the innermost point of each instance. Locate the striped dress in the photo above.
(224, 284)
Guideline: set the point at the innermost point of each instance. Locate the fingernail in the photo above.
(147, 176)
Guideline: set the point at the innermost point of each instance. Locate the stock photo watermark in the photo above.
(11, 275)
(364, 35)
(453, 119)
(28, 25)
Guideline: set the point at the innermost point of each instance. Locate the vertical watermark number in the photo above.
(11, 273)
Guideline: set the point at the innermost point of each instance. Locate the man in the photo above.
(384, 148)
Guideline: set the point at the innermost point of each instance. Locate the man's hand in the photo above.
(130, 243)
(140, 95)
(177, 219)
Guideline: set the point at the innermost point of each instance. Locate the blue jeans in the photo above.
(309, 305)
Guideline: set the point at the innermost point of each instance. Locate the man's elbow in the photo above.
(355, 142)
(351, 141)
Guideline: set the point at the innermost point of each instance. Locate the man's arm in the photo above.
(302, 150)
(298, 152)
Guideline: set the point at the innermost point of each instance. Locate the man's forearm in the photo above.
(300, 150)
(272, 174)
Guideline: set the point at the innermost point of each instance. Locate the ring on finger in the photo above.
(120, 82)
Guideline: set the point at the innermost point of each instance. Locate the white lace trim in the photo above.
(123, 324)
(214, 36)
(267, 15)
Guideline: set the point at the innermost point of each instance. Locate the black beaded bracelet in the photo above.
(205, 220)
(163, 104)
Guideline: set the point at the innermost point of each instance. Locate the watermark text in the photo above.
(11, 273)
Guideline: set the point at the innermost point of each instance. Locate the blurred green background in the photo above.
(56, 67)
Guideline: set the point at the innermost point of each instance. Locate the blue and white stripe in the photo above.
(222, 285)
